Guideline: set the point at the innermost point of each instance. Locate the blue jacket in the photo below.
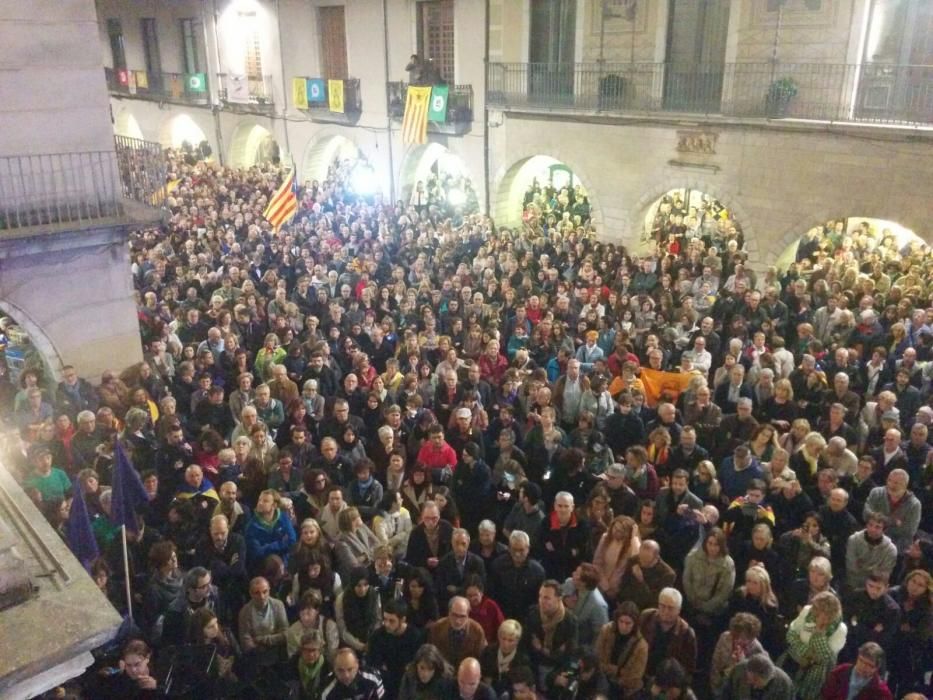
(735, 483)
(263, 539)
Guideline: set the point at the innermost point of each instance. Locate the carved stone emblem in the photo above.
(702, 142)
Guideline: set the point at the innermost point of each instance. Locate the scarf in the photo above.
(505, 661)
(550, 622)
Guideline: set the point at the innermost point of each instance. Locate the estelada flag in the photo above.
(658, 383)
(415, 121)
(284, 203)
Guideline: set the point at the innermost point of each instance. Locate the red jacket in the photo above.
(437, 457)
(489, 616)
(837, 686)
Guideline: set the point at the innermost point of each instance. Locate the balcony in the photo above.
(246, 93)
(77, 190)
(320, 110)
(459, 108)
(872, 93)
(180, 88)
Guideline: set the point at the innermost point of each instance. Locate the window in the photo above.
(252, 47)
(333, 42)
(436, 35)
(189, 46)
(117, 51)
(151, 47)
(696, 54)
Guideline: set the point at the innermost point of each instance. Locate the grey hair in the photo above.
(761, 665)
(744, 401)
(460, 531)
(487, 526)
(519, 537)
(673, 595)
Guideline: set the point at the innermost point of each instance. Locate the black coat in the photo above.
(418, 551)
(447, 574)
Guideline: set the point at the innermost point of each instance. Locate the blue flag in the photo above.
(317, 91)
(128, 491)
(78, 530)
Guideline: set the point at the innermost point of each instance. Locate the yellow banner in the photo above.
(300, 92)
(415, 121)
(335, 95)
(666, 384)
(142, 80)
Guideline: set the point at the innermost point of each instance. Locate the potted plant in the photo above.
(780, 94)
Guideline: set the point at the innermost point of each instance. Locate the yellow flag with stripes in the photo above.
(160, 194)
(335, 95)
(284, 203)
(415, 121)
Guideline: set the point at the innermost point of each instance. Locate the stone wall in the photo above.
(779, 180)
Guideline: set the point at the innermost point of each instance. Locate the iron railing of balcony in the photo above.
(143, 169)
(245, 89)
(459, 102)
(78, 188)
(352, 98)
(172, 87)
(885, 94)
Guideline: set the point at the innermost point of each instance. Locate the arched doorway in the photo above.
(444, 177)
(125, 124)
(23, 345)
(321, 154)
(181, 131)
(544, 185)
(690, 212)
(253, 144)
(853, 237)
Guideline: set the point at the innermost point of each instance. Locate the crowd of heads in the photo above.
(521, 459)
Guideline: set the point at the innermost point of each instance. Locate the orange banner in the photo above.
(658, 383)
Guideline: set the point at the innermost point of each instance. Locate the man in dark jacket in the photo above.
(430, 541)
(514, 579)
(668, 634)
(393, 645)
(223, 554)
(624, 428)
(456, 567)
(550, 629)
(563, 541)
(197, 592)
(871, 616)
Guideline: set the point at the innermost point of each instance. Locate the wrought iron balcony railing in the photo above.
(459, 102)
(187, 88)
(877, 93)
(51, 189)
(254, 90)
(352, 98)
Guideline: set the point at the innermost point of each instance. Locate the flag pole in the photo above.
(126, 574)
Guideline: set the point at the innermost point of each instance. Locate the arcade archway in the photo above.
(540, 186)
(689, 212)
(444, 176)
(321, 154)
(850, 238)
(125, 124)
(180, 131)
(253, 144)
(24, 345)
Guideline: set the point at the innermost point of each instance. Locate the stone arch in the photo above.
(51, 358)
(676, 180)
(179, 128)
(251, 144)
(420, 159)
(511, 181)
(321, 152)
(125, 124)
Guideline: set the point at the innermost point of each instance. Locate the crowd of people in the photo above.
(391, 456)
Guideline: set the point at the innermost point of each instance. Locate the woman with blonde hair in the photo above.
(792, 440)
(814, 640)
(704, 484)
(616, 547)
(776, 472)
(808, 460)
(756, 597)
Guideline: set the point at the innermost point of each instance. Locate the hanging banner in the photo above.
(300, 93)
(142, 79)
(415, 121)
(317, 91)
(335, 95)
(196, 82)
(238, 88)
(438, 110)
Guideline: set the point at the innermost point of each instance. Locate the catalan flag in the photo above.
(284, 203)
(415, 121)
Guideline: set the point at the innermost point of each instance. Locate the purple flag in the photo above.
(128, 491)
(78, 530)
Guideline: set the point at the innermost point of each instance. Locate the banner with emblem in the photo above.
(300, 92)
(317, 91)
(438, 108)
(660, 384)
(335, 95)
